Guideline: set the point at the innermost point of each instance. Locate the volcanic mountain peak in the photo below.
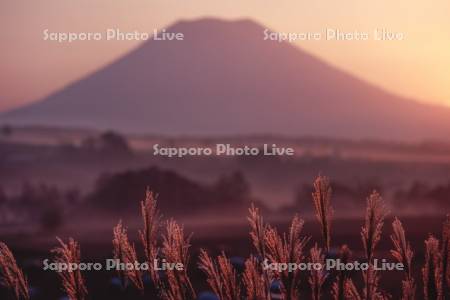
(224, 79)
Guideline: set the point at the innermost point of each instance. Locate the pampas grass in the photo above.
(286, 249)
(374, 220)
(271, 246)
(149, 235)
(351, 292)
(431, 271)
(12, 276)
(372, 289)
(221, 276)
(126, 254)
(445, 254)
(324, 212)
(72, 281)
(257, 230)
(255, 282)
(213, 278)
(371, 234)
(338, 289)
(403, 253)
(258, 237)
(317, 277)
(176, 250)
(402, 249)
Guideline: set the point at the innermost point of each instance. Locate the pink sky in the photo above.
(417, 67)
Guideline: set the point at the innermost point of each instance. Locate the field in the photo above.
(232, 239)
(79, 184)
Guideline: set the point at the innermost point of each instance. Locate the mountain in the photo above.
(224, 79)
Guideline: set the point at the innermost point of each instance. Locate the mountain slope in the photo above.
(225, 79)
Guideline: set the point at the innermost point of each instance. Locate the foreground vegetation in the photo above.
(167, 240)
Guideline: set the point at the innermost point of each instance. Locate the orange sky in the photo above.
(417, 67)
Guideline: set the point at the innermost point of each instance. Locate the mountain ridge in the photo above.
(224, 79)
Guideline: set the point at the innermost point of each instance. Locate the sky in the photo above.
(417, 67)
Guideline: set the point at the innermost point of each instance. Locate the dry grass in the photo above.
(351, 292)
(324, 212)
(403, 253)
(286, 249)
(445, 254)
(371, 235)
(374, 220)
(255, 282)
(221, 276)
(317, 277)
(213, 277)
(431, 272)
(338, 289)
(12, 276)
(176, 250)
(372, 289)
(149, 235)
(72, 281)
(257, 230)
(126, 254)
(173, 246)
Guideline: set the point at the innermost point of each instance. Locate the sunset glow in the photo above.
(416, 67)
